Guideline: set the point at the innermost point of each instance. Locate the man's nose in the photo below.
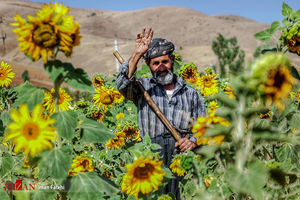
(161, 67)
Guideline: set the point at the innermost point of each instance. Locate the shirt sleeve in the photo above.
(198, 110)
(127, 86)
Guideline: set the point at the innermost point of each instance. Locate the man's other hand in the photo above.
(185, 144)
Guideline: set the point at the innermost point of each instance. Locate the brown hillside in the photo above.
(192, 32)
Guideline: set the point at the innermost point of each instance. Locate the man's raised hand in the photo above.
(143, 40)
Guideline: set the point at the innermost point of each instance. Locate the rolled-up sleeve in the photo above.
(127, 86)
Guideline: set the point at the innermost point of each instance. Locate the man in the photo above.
(180, 103)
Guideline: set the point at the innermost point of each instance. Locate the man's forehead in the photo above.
(160, 58)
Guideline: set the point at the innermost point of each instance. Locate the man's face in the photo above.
(162, 69)
(161, 65)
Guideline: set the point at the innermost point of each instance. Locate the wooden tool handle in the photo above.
(152, 103)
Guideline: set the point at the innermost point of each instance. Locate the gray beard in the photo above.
(164, 80)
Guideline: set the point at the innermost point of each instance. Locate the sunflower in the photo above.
(106, 97)
(188, 72)
(298, 96)
(118, 97)
(208, 84)
(50, 29)
(292, 94)
(265, 115)
(229, 92)
(6, 74)
(117, 141)
(294, 44)
(271, 78)
(130, 132)
(119, 116)
(143, 175)
(213, 106)
(31, 133)
(207, 180)
(175, 167)
(278, 85)
(202, 123)
(97, 115)
(81, 164)
(63, 102)
(97, 81)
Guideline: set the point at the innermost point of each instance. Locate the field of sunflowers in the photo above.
(82, 141)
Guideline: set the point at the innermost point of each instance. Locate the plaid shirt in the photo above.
(184, 107)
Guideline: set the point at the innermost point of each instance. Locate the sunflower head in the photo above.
(6, 74)
(188, 72)
(177, 56)
(272, 78)
(50, 29)
(31, 133)
(81, 164)
(97, 115)
(291, 38)
(120, 115)
(208, 84)
(131, 132)
(144, 175)
(63, 102)
(175, 167)
(98, 81)
(117, 141)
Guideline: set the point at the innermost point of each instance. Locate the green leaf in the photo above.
(294, 72)
(55, 163)
(95, 132)
(66, 123)
(44, 195)
(55, 69)
(3, 195)
(90, 186)
(28, 94)
(294, 121)
(76, 78)
(287, 151)
(25, 76)
(249, 181)
(274, 27)
(6, 164)
(79, 79)
(286, 10)
(264, 36)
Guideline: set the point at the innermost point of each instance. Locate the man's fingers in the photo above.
(143, 33)
(150, 36)
(138, 36)
(148, 33)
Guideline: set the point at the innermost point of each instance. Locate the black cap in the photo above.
(158, 47)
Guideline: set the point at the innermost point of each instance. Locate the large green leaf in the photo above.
(79, 79)
(5, 118)
(264, 36)
(6, 164)
(66, 123)
(95, 132)
(90, 186)
(249, 181)
(3, 195)
(55, 69)
(286, 10)
(29, 94)
(55, 163)
(274, 27)
(41, 194)
(76, 78)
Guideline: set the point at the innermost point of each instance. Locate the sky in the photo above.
(264, 11)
